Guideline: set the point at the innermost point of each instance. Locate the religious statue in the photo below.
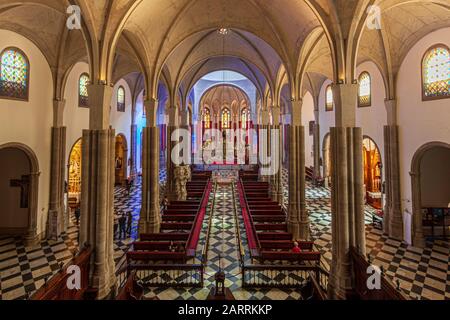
(182, 176)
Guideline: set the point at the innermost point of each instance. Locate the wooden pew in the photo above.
(274, 236)
(164, 236)
(285, 245)
(176, 226)
(271, 227)
(178, 217)
(269, 218)
(160, 246)
(145, 256)
(290, 256)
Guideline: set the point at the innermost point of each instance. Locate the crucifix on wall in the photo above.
(24, 185)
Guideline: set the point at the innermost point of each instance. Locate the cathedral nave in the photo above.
(225, 150)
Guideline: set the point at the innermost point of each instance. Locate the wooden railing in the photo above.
(280, 276)
(387, 291)
(131, 289)
(57, 289)
(168, 275)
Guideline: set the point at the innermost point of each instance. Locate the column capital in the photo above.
(265, 119)
(151, 106)
(58, 113)
(296, 112)
(173, 113)
(99, 106)
(184, 117)
(345, 99)
(391, 111)
(276, 115)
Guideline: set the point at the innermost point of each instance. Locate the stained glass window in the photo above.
(225, 118)
(329, 99)
(207, 118)
(245, 116)
(364, 90)
(121, 99)
(14, 74)
(436, 73)
(83, 92)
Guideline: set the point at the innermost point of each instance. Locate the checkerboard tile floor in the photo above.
(424, 273)
(23, 269)
(223, 251)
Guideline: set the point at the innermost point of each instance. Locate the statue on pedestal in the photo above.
(182, 175)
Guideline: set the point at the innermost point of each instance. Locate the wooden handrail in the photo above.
(387, 290)
(56, 288)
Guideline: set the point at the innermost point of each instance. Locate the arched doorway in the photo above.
(74, 176)
(121, 159)
(326, 159)
(430, 176)
(19, 183)
(372, 172)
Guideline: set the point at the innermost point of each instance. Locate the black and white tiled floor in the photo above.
(23, 270)
(423, 273)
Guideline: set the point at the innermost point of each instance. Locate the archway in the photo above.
(326, 159)
(19, 184)
(121, 159)
(74, 176)
(372, 172)
(430, 189)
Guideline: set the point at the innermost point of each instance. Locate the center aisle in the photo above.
(223, 251)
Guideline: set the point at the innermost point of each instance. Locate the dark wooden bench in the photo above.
(164, 237)
(180, 211)
(268, 212)
(274, 236)
(159, 245)
(178, 217)
(286, 245)
(290, 256)
(268, 218)
(156, 256)
(271, 227)
(176, 225)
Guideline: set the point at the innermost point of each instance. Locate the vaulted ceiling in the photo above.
(176, 41)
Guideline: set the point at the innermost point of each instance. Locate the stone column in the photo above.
(97, 197)
(298, 219)
(393, 219)
(56, 212)
(133, 132)
(150, 218)
(276, 179)
(347, 190)
(316, 142)
(186, 125)
(173, 125)
(264, 142)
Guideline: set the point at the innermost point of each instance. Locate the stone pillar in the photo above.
(264, 142)
(186, 125)
(347, 191)
(316, 143)
(97, 197)
(393, 219)
(276, 179)
(298, 219)
(56, 212)
(133, 130)
(172, 126)
(133, 142)
(150, 218)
